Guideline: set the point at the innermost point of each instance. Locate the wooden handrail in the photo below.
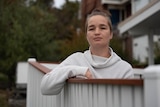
(137, 82)
(40, 67)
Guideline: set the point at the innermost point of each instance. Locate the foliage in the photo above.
(3, 77)
(78, 43)
(67, 20)
(34, 30)
(24, 32)
(117, 46)
(43, 4)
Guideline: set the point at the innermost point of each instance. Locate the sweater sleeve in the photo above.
(53, 82)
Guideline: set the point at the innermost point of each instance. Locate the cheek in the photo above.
(109, 35)
(88, 37)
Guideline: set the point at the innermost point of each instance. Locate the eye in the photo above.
(103, 28)
(90, 29)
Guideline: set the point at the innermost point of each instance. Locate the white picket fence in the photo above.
(95, 92)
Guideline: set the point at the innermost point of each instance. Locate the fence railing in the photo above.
(93, 92)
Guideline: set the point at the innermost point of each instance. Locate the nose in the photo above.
(97, 31)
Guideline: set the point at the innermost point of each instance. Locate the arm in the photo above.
(53, 82)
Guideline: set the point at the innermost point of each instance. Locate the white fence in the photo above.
(94, 92)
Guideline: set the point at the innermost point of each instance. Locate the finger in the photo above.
(88, 75)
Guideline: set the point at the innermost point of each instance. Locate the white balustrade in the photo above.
(94, 92)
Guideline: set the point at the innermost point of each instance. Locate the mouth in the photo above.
(97, 38)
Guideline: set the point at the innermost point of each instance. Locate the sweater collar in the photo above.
(101, 61)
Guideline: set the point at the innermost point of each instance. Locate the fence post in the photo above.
(152, 86)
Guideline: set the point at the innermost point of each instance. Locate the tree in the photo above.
(67, 20)
(78, 43)
(24, 32)
(43, 4)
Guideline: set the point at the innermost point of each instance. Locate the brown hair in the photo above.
(102, 12)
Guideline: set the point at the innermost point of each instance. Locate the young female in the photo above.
(100, 61)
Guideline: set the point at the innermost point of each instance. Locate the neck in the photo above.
(103, 52)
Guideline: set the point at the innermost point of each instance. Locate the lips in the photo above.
(97, 38)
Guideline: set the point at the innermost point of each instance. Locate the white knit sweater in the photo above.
(77, 65)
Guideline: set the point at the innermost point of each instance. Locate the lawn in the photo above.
(3, 98)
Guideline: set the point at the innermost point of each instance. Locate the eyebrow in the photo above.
(90, 26)
(103, 25)
(99, 25)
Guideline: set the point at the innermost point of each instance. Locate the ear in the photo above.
(111, 36)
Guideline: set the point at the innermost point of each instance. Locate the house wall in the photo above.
(138, 4)
(140, 44)
(140, 47)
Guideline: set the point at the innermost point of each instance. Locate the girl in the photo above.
(98, 62)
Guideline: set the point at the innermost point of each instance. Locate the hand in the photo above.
(88, 74)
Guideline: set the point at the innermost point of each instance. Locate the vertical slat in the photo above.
(138, 97)
(126, 96)
(90, 95)
(109, 96)
(116, 96)
(95, 99)
(102, 95)
(85, 95)
(80, 95)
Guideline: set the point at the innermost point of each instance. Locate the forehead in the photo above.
(97, 19)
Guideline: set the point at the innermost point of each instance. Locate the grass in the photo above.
(3, 98)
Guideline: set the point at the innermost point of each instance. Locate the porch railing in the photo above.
(94, 92)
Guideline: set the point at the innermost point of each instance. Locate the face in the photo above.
(98, 31)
